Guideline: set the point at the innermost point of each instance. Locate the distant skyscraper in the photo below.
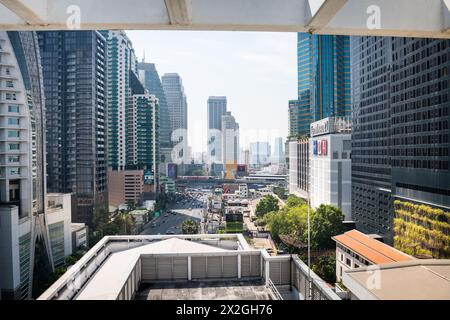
(74, 66)
(323, 81)
(176, 100)
(150, 78)
(230, 139)
(400, 140)
(121, 59)
(217, 107)
(259, 153)
(278, 152)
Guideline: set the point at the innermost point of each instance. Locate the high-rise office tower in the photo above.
(150, 78)
(74, 67)
(259, 153)
(176, 100)
(27, 229)
(142, 132)
(230, 139)
(217, 107)
(324, 90)
(121, 59)
(278, 152)
(230, 144)
(400, 148)
(323, 81)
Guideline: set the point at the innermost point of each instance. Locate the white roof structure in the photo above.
(417, 279)
(415, 18)
(106, 285)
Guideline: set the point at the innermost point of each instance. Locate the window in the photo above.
(348, 262)
(13, 108)
(10, 96)
(15, 171)
(13, 134)
(13, 159)
(14, 146)
(9, 84)
(13, 121)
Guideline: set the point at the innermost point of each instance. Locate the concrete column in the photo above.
(239, 265)
(267, 272)
(189, 268)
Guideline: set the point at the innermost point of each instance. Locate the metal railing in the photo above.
(273, 289)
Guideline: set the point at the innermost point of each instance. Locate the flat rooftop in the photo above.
(408, 280)
(371, 249)
(107, 284)
(204, 290)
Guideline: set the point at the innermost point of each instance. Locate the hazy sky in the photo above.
(255, 70)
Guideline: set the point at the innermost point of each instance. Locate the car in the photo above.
(170, 232)
(190, 208)
(166, 215)
(173, 212)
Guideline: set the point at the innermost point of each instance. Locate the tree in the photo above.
(294, 201)
(326, 222)
(189, 226)
(267, 204)
(290, 221)
(325, 267)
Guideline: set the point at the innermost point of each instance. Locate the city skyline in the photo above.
(210, 63)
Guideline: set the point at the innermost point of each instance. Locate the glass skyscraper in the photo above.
(150, 78)
(323, 81)
(75, 85)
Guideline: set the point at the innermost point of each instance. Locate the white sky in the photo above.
(255, 70)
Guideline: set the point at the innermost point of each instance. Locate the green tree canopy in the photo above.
(267, 204)
(326, 222)
(294, 201)
(288, 221)
(189, 226)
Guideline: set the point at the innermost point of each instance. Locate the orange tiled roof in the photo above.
(370, 249)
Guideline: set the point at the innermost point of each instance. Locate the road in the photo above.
(172, 223)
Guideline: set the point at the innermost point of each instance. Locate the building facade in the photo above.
(330, 164)
(278, 152)
(401, 128)
(216, 108)
(142, 131)
(259, 153)
(126, 187)
(26, 219)
(120, 61)
(323, 81)
(299, 167)
(74, 68)
(176, 100)
(150, 78)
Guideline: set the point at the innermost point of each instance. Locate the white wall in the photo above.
(325, 180)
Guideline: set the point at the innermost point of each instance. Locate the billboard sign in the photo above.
(320, 147)
(172, 170)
